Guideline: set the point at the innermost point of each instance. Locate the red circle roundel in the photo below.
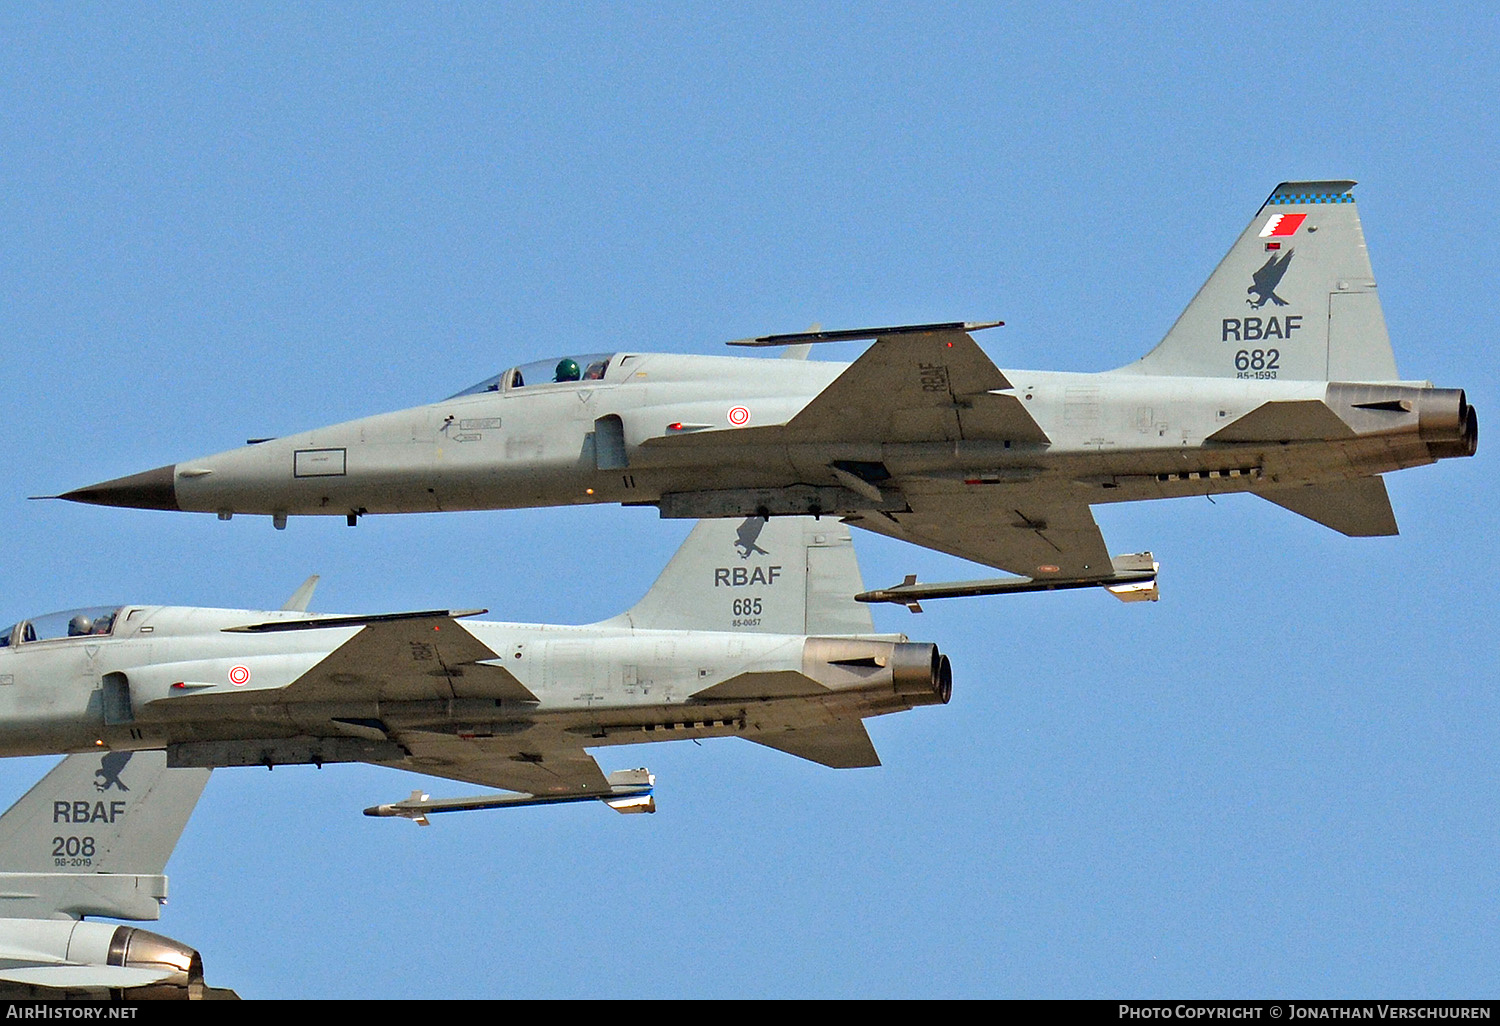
(739, 416)
(239, 676)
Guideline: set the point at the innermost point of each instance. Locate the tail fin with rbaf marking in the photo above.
(1294, 299)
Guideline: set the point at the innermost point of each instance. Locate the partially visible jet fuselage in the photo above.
(143, 677)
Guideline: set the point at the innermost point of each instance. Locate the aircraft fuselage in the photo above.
(175, 678)
(703, 436)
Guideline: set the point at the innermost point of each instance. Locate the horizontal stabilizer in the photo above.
(1360, 508)
(774, 684)
(1286, 420)
(842, 745)
(61, 977)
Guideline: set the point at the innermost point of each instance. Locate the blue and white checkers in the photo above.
(1312, 192)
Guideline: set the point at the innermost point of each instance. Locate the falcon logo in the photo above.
(746, 535)
(108, 773)
(1266, 279)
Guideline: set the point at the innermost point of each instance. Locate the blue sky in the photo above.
(224, 221)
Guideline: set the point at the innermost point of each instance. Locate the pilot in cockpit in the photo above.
(567, 369)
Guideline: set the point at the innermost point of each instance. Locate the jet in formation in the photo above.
(92, 838)
(751, 631)
(1278, 380)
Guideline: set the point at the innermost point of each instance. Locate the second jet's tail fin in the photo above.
(786, 575)
(1294, 299)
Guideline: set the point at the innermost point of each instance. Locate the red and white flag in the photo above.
(1282, 224)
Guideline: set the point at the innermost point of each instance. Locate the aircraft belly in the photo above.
(695, 720)
(1157, 473)
(47, 738)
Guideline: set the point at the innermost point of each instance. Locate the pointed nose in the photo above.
(153, 489)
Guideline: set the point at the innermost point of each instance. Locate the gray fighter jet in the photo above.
(92, 839)
(1278, 380)
(751, 631)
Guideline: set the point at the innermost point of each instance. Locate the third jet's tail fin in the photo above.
(129, 804)
(1295, 298)
(94, 835)
(786, 575)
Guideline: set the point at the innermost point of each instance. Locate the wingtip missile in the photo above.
(1135, 574)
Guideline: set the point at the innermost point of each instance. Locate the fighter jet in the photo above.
(922, 437)
(92, 839)
(768, 645)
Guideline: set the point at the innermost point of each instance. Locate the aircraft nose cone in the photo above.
(152, 489)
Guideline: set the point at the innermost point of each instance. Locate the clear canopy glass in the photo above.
(560, 369)
(95, 621)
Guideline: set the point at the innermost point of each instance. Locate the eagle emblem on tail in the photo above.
(108, 773)
(746, 534)
(1266, 279)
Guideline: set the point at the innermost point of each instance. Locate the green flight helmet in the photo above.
(567, 369)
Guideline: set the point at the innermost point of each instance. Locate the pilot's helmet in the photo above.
(567, 369)
(80, 625)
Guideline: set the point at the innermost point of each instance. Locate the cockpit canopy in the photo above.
(558, 370)
(73, 623)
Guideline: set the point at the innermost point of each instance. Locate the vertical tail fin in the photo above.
(128, 805)
(1295, 298)
(93, 837)
(786, 575)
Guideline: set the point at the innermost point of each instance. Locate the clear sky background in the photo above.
(223, 221)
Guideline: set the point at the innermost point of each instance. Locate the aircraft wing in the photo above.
(410, 659)
(540, 761)
(916, 386)
(394, 657)
(1017, 529)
